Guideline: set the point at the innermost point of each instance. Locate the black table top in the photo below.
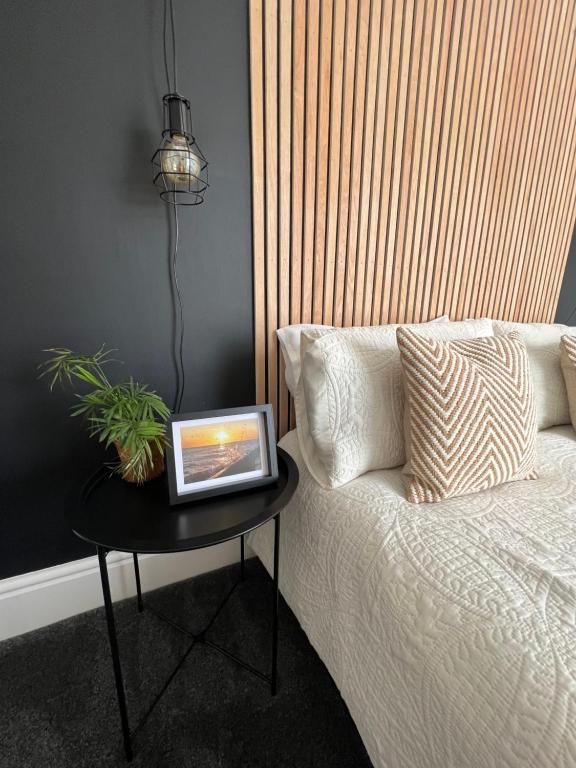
(122, 516)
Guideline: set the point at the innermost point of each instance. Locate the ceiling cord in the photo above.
(178, 350)
(166, 72)
(179, 359)
(169, 15)
(174, 46)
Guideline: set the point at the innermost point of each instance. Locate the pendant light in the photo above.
(180, 168)
(180, 175)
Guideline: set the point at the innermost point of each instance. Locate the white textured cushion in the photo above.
(350, 400)
(289, 338)
(543, 344)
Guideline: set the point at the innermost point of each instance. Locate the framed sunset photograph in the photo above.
(215, 452)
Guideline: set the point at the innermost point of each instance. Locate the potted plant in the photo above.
(127, 415)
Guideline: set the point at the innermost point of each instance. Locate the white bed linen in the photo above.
(450, 628)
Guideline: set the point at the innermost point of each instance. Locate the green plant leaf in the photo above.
(127, 414)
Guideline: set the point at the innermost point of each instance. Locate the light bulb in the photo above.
(180, 165)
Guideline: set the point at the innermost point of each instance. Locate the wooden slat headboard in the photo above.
(410, 158)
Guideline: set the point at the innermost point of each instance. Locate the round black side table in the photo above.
(115, 515)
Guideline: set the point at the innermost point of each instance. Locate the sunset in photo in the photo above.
(220, 433)
(223, 448)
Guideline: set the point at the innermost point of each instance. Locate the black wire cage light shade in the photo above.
(180, 168)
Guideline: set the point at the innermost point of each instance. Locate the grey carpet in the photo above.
(58, 704)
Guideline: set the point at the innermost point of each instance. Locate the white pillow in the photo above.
(543, 344)
(350, 400)
(289, 338)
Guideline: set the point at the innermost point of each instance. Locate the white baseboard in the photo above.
(36, 599)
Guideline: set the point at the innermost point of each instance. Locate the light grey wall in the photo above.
(84, 234)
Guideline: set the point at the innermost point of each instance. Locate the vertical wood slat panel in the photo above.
(443, 48)
(374, 50)
(336, 85)
(473, 52)
(345, 156)
(409, 158)
(567, 229)
(416, 121)
(357, 157)
(310, 152)
(384, 260)
(528, 113)
(451, 109)
(486, 148)
(561, 236)
(525, 286)
(284, 198)
(297, 166)
(297, 159)
(549, 200)
(530, 154)
(499, 287)
(549, 138)
(411, 56)
(479, 254)
(434, 79)
(271, 175)
(322, 144)
(476, 109)
(503, 157)
(377, 158)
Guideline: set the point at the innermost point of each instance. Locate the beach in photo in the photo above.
(220, 449)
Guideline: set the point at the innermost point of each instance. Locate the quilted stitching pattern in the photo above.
(471, 412)
(448, 628)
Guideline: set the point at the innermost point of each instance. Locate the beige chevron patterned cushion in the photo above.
(472, 422)
(568, 363)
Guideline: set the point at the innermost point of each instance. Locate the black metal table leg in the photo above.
(138, 587)
(242, 557)
(274, 678)
(115, 652)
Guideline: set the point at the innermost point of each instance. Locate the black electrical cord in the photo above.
(181, 372)
(178, 346)
(174, 46)
(166, 72)
(169, 11)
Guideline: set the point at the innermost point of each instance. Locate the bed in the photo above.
(449, 628)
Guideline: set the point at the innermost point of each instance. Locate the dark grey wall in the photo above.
(85, 239)
(566, 312)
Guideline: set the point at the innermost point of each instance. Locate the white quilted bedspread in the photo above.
(450, 629)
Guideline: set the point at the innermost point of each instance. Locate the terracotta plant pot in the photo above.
(151, 472)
